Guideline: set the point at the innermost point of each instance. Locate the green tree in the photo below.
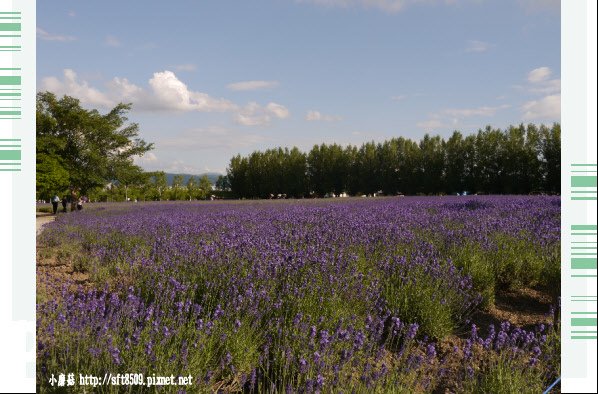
(51, 177)
(455, 164)
(159, 183)
(90, 146)
(223, 183)
(191, 187)
(177, 183)
(237, 174)
(432, 164)
(127, 175)
(369, 168)
(296, 182)
(551, 157)
(205, 186)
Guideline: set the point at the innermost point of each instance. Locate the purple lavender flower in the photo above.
(302, 365)
(412, 330)
(431, 351)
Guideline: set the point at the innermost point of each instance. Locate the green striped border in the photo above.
(10, 112)
(587, 299)
(584, 183)
(579, 180)
(10, 154)
(584, 322)
(583, 263)
(10, 48)
(10, 80)
(12, 26)
(10, 90)
(580, 320)
(584, 253)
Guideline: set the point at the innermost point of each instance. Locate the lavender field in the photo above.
(350, 295)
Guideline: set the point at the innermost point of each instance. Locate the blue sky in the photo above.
(210, 79)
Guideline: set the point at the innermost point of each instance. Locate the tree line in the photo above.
(519, 160)
(154, 186)
(92, 153)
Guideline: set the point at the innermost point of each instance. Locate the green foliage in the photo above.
(474, 262)
(507, 263)
(519, 160)
(272, 172)
(551, 273)
(422, 299)
(506, 376)
(506, 371)
(222, 183)
(205, 187)
(51, 177)
(82, 148)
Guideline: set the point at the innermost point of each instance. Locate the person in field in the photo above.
(64, 201)
(55, 201)
(80, 204)
(74, 199)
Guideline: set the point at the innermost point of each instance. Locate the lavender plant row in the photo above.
(296, 296)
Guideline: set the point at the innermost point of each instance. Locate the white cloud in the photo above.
(280, 111)
(399, 97)
(452, 117)
(186, 67)
(430, 124)
(171, 93)
(390, 6)
(469, 112)
(255, 115)
(316, 116)
(551, 86)
(150, 162)
(180, 167)
(477, 46)
(112, 41)
(70, 85)
(546, 108)
(44, 35)
(165, 92)
(210, 138)
(252, 85)
(540, 82)
(538, 74)
(147, 159)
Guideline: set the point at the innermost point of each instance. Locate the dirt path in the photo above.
(40, 221)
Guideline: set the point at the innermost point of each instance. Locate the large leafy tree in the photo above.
(92, 148)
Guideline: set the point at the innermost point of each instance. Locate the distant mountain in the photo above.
(212, 176)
